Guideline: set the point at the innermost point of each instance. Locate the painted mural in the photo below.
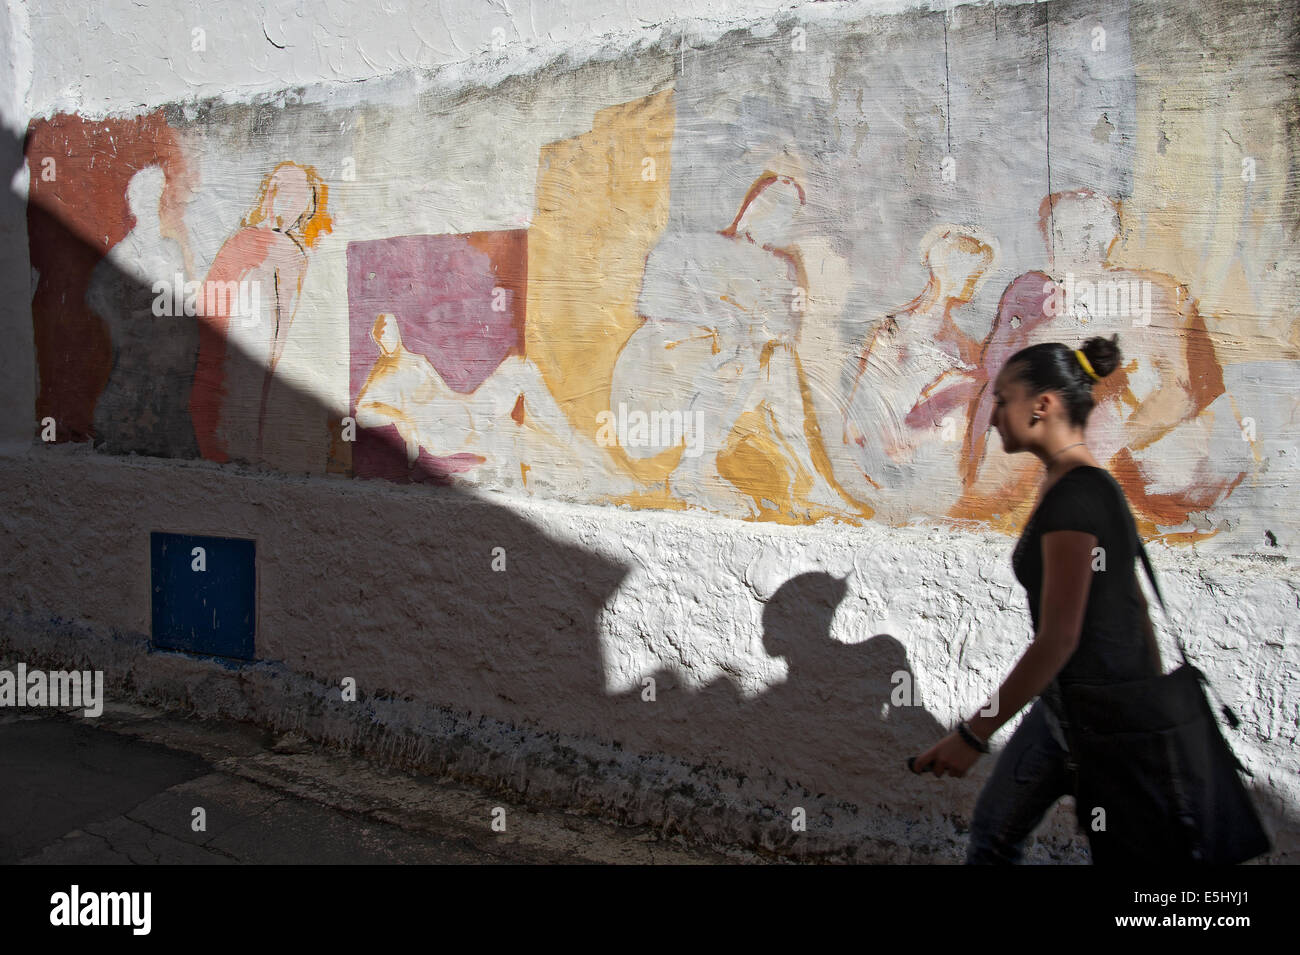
(767, 280)
(246, 308)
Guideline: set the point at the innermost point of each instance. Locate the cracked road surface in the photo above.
(123, 788)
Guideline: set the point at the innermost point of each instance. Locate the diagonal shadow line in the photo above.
(822, 729)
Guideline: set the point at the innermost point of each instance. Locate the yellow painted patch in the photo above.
(602, 204)
(754, 461)
(1195, 211)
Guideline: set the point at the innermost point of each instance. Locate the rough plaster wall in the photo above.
(859, 116)
(754, 707)
(259, 47)
(426, 165)
(687, 605)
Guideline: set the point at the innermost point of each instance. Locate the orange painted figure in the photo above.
(719, 346)
(506, 427)
(1163, 424)
(915, 381)
(249, 301)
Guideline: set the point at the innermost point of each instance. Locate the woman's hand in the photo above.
(951, 755)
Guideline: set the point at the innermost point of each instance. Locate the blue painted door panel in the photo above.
(204, 594)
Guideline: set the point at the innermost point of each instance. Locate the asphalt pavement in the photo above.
(146, 786)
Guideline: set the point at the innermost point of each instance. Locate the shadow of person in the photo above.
(853, 740)
(830, 730)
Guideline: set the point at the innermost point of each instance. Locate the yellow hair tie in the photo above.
(1083, 360)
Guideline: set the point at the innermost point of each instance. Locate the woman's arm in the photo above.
(1067, 577)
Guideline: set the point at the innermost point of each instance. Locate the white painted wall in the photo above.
(758, 725)
(125, 55)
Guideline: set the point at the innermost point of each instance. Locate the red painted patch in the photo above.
(77, 211)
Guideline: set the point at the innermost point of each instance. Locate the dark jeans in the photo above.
(1028, 779)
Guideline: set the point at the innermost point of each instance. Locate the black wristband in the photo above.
(970, 739)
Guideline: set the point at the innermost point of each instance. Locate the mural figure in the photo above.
(909, 402)
(508, 425)
(266, 261)
(1161, 414)
(726, 359)
(144, 405)
(719, 339)
(400, 388)
(77, 216)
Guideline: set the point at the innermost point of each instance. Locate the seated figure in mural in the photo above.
(144, 405)
(721, 321)
(1163, 424)
(398, 389)
(508, 430)
(242, 339)
(915, 381)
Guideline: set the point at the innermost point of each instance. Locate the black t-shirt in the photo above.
(1112, 645)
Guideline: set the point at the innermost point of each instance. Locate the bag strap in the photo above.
(1146, 564)
(1228, 714)
(1155, 585)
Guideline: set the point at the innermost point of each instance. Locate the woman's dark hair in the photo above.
(1052, 366)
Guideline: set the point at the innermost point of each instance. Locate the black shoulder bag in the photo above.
(1155, 782)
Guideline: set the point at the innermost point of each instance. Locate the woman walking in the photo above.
(1075, 559)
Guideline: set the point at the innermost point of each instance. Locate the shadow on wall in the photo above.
(529, 605)
(521, 645)
(831, 728)
(508, 644)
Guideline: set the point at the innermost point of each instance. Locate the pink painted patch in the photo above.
(459, 301)
(1021, 311)
(442, 289)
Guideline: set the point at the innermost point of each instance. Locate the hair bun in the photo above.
(1103, 354)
